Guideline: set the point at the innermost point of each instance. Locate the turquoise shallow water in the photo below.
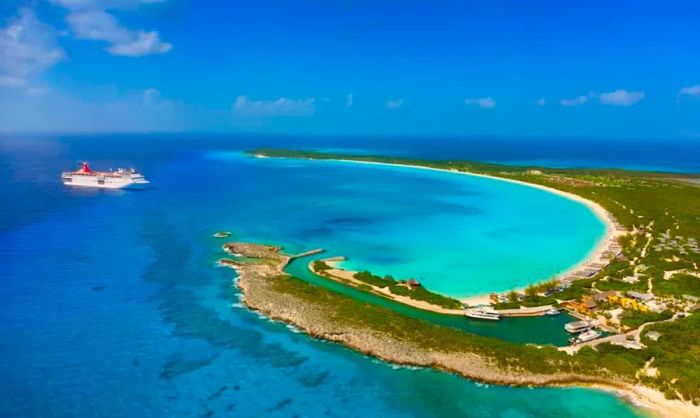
(111, 304)
(459, 235)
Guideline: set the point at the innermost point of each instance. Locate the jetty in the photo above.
(307, 253)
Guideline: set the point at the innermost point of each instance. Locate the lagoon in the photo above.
(458, 235)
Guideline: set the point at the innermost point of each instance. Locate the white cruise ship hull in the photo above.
(104, 182)
(488, 318)
(489, 315)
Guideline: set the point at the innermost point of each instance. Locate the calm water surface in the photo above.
(111, 304)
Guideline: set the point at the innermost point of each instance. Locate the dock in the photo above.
(524, 311)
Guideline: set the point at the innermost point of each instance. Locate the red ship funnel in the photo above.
(85, 168)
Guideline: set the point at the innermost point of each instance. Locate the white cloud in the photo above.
(27, 48)
(622, 98)
(152, 98)
(102, 4)
(36, 91)
(90, 20)
(692, 91)
(394, 104)
(577, 101)
(9, 81)
(482, 102)
(97, 25)
(145, 43)
(110, 112)
(349, 100)
(283, 106)
(150, 95)
(541, 102)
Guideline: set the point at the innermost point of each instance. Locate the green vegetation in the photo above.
(677, 357)
(371, 279)
(578, 289)
(507, 305)
(679, 285)
(403, 289)
(513, 296)
(321, 266)
(633, 318)
(612, 284)
(528, 302)
(546, 286)
(675, 354)
(533, 296)
(537, 300)
(347, 312)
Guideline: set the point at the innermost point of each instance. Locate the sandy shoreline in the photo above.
(347, 277)
(650, 400)
(612, 232)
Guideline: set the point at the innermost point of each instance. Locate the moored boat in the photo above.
(585, 337)
(578, 326)
(483, 313)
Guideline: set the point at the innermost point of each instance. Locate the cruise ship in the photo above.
(483, 313)
(119, 179)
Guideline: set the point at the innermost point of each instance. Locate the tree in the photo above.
(513, 296)
(531, 290)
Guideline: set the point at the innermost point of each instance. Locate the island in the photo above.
(642, 288)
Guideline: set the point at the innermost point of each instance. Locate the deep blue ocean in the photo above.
(111, 303)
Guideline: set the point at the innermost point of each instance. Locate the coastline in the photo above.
(346, 277)
(650, 400)
(595, 255)
(318, 315)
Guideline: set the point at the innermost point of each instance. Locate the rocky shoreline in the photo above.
(261, 270)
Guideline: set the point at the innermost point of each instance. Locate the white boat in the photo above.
(552, 311)
(86, 177)
(578, 326)
(585, 337)
(483, 313)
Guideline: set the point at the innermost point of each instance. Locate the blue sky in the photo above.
(502, 68)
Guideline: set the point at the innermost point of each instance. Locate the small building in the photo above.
(590, 304)
(655, 306)
(653, 335)
(585, 305)
(412, 283)
(633, 345)
(640, 296)
(604, 296)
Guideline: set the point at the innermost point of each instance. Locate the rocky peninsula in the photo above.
(385, 334)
